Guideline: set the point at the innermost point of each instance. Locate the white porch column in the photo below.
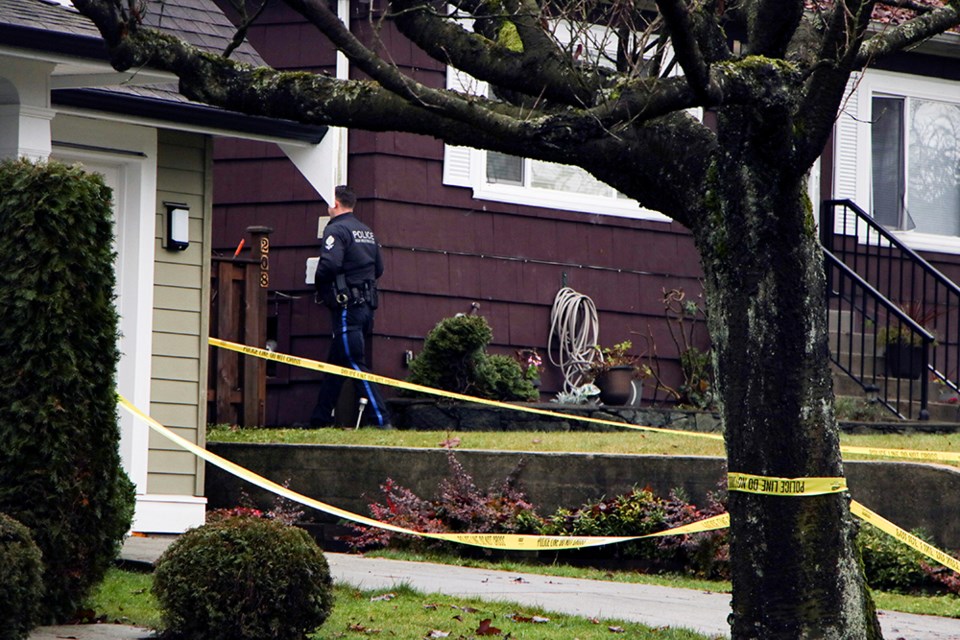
(25, 112)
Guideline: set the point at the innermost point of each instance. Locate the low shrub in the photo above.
(460, 506)
(891, 565)
(21, 580)
(243, 577)
(454, 358)
(640, 512)
(283, 509)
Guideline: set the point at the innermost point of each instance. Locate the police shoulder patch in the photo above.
(329, 242)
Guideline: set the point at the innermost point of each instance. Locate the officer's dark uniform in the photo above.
(349, 266)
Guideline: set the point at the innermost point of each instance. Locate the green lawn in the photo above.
(401, 613)
(627, 441)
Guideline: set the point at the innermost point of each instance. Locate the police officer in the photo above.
(346, 283)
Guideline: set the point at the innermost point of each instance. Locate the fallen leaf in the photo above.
(520, 580)
(486, 630)
(359, 628)
(517, 617)
(436, 633)
(458, 618)
(617, 629)
(431, 606)
(386, 597)
(537, 441)
(465, 609)
(594, 620)
(450, 443)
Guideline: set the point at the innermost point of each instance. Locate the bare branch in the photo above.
(390, 78)
(910, 33)
(245, 21)
(448, 42)
(743, 83)
(687, 50)
(846, 25)
(772, 24)
(816, 111)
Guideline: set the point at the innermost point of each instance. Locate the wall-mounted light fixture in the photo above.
(177, 236)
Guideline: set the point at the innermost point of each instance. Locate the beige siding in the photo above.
(180, 315)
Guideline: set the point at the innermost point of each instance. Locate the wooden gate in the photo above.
(237, 386)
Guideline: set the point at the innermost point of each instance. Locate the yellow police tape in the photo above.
(531, 542)
(401, 384)
(903, 536)
(911, 454)
(517, 542)
(771, 486)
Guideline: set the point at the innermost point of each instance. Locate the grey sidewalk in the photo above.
(654, 606)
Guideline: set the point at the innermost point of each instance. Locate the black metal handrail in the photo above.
(854, 347)
(902, 285)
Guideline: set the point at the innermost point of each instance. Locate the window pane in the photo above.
(504, 169)
(887, 143)
(564, 177)
(933, 174)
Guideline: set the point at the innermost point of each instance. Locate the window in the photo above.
(916, 164)
(897, 155)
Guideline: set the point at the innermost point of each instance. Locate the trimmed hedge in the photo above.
(243, 577)
(60, 471)
(21, 582)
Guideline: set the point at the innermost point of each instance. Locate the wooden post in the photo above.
(228, 329)
(255, 327)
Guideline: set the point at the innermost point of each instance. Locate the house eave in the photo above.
(69, 45)
(181, 115)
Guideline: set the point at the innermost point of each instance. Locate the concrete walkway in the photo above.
(654, 606)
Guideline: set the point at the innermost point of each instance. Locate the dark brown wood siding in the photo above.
(443, 249)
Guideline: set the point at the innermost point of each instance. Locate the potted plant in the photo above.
(617, 373)
(903, 349)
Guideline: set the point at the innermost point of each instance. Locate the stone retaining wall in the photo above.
(911, 495)
(431, 415)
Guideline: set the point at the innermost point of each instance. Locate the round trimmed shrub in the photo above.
(21, 580)
(243, 577)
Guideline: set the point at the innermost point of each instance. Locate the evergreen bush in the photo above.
(243, 578)
(454, 358)
(891, 565)
(60, 469)
(21, 580)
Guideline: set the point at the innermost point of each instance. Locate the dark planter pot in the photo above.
(616, 386)
(902, 360)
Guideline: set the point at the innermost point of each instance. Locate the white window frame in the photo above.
(887, 83)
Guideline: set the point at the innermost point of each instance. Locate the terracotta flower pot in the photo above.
(616, 385)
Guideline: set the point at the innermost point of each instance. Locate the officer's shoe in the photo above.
(386, 426)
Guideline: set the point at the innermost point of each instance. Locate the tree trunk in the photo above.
(796, 568)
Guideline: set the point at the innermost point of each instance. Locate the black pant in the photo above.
(347, 349)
